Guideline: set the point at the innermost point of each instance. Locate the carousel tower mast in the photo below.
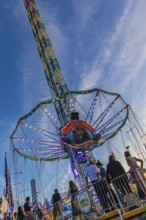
(8, 190)
(54, 76)
(51, 67)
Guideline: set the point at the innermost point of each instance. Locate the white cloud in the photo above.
(90, 78)
(84, 11)
(131, 56)
(120, 62)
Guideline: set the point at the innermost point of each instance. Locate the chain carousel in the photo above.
(70, 129)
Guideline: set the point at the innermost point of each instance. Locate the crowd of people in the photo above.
(116, 174)
(111, 196)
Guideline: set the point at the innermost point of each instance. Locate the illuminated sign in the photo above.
(70, 125)
(79, 134)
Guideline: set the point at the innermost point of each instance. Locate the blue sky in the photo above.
(98, 43)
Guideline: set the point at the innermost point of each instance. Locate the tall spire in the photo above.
(8, 192)
(52, 70)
